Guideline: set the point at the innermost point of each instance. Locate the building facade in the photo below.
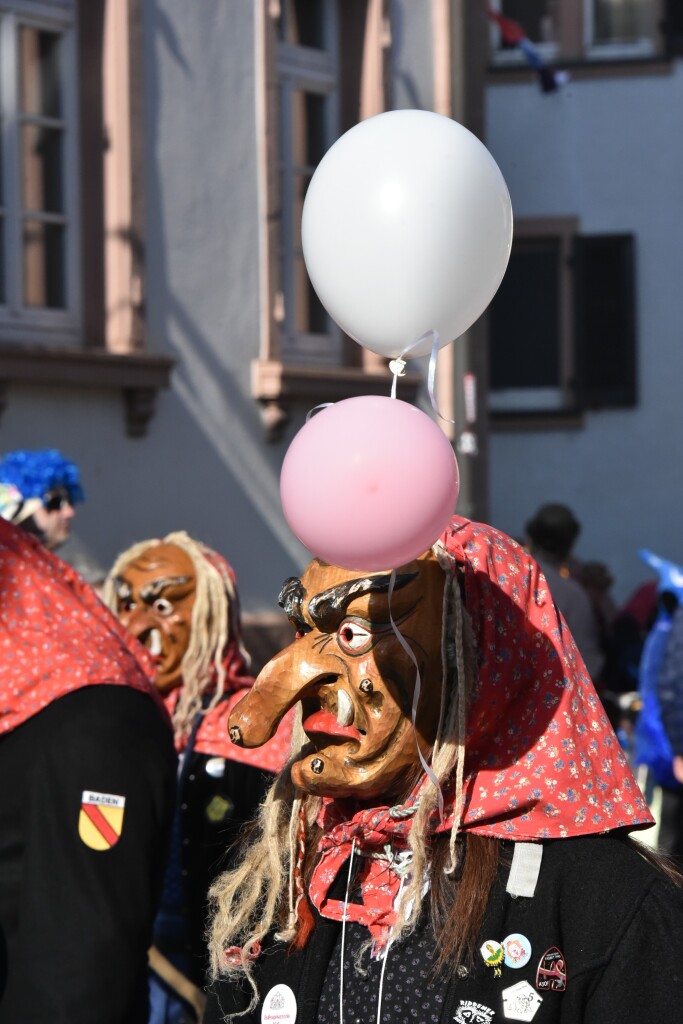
(156, 320)
(586, 353)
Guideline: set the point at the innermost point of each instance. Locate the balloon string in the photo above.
(323, 405)
(431, 379)
(398, 368)
(416, 694)
(398, 365)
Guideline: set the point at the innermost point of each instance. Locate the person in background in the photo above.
(659, 727)
(551, 535)
(632, 623)
(86, 802)
(670, 691)
(179, 598)
(38, 491)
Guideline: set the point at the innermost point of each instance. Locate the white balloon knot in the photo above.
(398, 367)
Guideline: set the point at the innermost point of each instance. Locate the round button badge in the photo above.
(279, 1006)
(517, 950)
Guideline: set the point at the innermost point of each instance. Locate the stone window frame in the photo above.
(105, 347)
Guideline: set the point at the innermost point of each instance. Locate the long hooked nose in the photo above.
(278, 687)
(137, 621)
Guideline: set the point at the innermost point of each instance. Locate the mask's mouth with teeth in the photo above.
(325, 725)
(151, 639)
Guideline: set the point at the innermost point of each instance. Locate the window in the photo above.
(323, 65)
(562, 325)
(39, 287)
(70, 228)
(621, 27)
(582, 29)
(307, 63)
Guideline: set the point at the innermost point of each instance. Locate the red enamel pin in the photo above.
(551, 975)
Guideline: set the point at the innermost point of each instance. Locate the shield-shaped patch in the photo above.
(100, 821)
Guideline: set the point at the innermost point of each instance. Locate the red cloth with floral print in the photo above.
(542, 760)
(212, 736)
(56, 636)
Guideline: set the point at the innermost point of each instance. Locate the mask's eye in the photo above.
(124, 595)
(353, 638)
(162, 606)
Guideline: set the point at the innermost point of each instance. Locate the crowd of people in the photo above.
(440, 809)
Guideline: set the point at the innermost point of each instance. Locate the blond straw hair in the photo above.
(259, 896)
(214, 624)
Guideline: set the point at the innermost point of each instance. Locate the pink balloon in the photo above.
(369, 483)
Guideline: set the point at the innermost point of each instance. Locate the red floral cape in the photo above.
(56, 636)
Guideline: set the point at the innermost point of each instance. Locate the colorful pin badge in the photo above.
(219, 809)
(517, 950)
(493, 954)
(100, 821)
(520, 1002)
(279, 1006)
(551, 975)
(215, 767)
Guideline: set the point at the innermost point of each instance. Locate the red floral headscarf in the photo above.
(542, 760)
(56, 635)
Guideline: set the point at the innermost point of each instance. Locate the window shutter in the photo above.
(604, 326)
(673, 28)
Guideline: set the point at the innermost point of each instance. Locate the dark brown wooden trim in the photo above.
(470, 47)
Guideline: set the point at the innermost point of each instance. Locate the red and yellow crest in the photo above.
(100, 821)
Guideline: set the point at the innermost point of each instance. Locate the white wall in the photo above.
(611, 152)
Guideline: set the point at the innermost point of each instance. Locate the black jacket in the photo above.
(216, 797)
(617, 921)
(76, 922)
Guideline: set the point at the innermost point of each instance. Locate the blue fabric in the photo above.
(670, 574)
(670, 687)
(652, 745)
(165, 1005)
(172, 896)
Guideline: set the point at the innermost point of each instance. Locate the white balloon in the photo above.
(406, 228)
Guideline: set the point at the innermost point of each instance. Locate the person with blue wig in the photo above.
(38, 491)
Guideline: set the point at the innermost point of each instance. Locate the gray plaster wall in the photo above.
(609, 151)
(203, 285)
(204, 466)
(412, 85)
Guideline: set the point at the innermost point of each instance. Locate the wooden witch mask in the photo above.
(155, 596)
(354, 679)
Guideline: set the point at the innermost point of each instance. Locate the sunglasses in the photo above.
(54, 501)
